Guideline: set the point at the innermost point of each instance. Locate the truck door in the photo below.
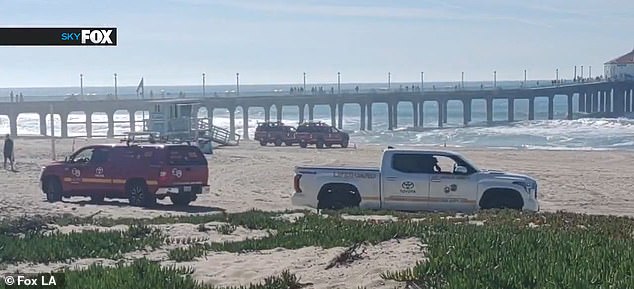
(450, 190)
(405, 182)
(97, 173)
(73, 170)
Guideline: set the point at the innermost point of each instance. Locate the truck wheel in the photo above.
(320, 143)
(288, 143)
(278, 142)
(344, 143)
(138, 194)
(182, 199)
(338, 196)
(97, 198)
(263, 143)
(53, 190)
(501, 199)
(303, 144)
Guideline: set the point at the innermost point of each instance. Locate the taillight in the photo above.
(163, 175)
(296, 183)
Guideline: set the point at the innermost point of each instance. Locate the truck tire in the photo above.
(344, 143)
(278, 142)
(320, 143)
(303, 144)
(97, 198)
(263, 143)
(53, 190)
(183, 199)
(338, 196)
(501, 199)
(138, 194)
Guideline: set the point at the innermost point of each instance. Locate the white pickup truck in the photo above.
(414, 180)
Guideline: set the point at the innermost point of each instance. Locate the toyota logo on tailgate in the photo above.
(177, 173)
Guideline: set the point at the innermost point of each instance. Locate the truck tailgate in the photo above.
(310, 180)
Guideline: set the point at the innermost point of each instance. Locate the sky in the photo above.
(169, 42)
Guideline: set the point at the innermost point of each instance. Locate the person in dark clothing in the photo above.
(8, 151)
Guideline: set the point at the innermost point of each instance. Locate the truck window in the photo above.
(82, 156)
(413, 163)
(99, 156)
(185, 155)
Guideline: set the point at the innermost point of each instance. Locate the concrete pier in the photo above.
(613, 97)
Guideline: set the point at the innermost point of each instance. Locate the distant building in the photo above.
(621, 68)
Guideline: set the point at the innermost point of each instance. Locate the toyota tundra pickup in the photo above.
(414, 180)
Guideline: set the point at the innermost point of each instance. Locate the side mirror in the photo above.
(460, 170)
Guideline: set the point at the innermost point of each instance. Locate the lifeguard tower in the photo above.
(177, 121)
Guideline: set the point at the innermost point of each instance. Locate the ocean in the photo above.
(558, 134)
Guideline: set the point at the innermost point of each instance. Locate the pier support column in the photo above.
(415, 113)
(340, 116)
(311, 112)
(210, 115)
(441, 109)
(110, 132)
(421, 113)
(581, 102)
(489, 110)
(132, 122)
(232, 123)
(395, 115)
(88, 124)
(596, 99)
(279, 112)
(64, 124)
(551, 107)
(245, 122)
(390, 116)
(333, 115)
(628, 100)
(444, 110)
(601, 101)
(608, 101)
(531, 108)
(369, 110)
(43, 124)
(267, 113)
(570, 110)
(301, 108)
(13, 125)
(588, 98)
(511, 109)
(466, 111)
(362, 116)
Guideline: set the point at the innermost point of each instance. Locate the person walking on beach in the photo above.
(8, 152)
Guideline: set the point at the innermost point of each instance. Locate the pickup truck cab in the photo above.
(139, 173)
(414, 180)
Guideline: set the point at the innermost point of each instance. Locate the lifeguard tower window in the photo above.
(185, 155)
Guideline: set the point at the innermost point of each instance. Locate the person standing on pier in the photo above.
(8, 152)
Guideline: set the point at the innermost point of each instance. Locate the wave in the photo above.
(579, 134)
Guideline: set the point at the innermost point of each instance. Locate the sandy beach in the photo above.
(249, 176)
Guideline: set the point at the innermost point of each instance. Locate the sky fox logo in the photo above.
(90, 36)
